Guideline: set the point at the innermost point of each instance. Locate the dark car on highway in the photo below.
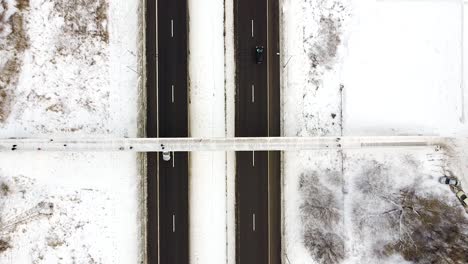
(259, 54)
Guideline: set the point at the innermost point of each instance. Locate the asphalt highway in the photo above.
(257, 114)
(167, 116)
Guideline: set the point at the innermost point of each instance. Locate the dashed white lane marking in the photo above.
(172, 28)
(172, 91)
(252, 28)
(253, 222)
(253, 158)
(253, 93)
(173, 159)
(173, 223)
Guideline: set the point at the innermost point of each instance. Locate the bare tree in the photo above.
(321, 217)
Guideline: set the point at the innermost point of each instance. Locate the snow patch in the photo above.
(404, 76)
(56, 209)
(348, 69)
(67, 69)
(397, 208)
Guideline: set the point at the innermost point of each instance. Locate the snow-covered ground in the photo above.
(396, 211)
(372, 68)
(410, 69)
(70, 68)
(93, 216)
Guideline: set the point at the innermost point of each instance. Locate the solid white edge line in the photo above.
(157, 132)
(462, 62)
